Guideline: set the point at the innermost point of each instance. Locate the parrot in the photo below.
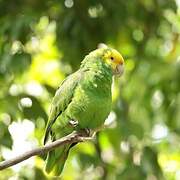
(82, 101)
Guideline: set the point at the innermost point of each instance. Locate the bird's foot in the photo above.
(87, 131)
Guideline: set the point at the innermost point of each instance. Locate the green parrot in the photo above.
(83, 101)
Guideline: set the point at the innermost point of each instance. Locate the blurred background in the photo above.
(41, 42)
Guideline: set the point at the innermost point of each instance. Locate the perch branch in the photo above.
(71, 138)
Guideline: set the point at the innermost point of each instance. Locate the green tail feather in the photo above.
(56, 160)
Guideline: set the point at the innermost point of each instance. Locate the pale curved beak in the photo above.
(119, 70)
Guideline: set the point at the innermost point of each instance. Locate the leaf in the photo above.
(5, 137)
(86, 160)
(35, 111)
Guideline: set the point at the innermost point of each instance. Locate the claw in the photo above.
(88, 131)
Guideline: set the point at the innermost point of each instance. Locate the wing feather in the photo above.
(62, 99)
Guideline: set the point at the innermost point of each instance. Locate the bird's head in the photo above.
(112, 58)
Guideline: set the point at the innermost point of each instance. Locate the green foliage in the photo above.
(41, 42)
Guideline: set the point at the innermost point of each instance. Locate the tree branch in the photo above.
(71, 138)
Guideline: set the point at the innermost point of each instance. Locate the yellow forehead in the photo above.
(114, 55)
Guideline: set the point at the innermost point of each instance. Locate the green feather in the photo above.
(85, 96)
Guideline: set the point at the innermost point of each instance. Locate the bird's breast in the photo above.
(91, 106)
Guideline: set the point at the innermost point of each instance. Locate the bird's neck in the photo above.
(99, 70)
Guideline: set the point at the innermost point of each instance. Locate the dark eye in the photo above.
(112, 58)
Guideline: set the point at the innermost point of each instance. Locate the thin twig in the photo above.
(71, 138)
